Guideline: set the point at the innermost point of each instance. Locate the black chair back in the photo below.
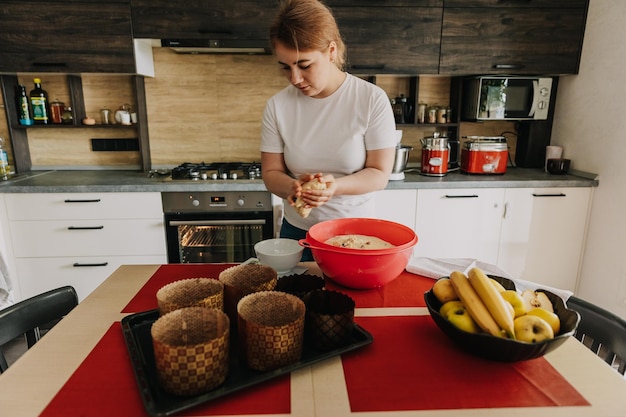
(601, 331)
(27, 316)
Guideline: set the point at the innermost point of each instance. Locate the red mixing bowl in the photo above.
(361, 268)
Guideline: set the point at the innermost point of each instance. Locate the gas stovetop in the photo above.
(217, 171)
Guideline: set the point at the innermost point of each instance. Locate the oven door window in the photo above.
(215, 238)
(218, 243)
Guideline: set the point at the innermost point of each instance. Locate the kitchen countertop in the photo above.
(57, 181)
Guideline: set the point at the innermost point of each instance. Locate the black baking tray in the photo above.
(136, 328)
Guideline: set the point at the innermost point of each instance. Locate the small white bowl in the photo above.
(280, 253)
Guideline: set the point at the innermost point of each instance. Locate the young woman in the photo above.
(327, 124)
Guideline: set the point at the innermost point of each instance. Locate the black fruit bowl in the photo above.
(505, 350)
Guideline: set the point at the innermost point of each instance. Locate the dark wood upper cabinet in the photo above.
(531, 4)
(391, 40)
(203, 19)
(66, 37)
(514, 37)
(384, 3)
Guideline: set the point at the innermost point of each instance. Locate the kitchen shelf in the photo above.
(18, 134)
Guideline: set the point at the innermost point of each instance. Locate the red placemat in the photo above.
(412, 365)
(104, 386)
(145, 299)
(405, 291)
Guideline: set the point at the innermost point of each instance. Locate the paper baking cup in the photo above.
(271, 329)
(191, 349)
(242, 280)
(299, 284)
(191, 292)
(329, 318)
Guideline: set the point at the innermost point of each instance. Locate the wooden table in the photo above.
(34, 380)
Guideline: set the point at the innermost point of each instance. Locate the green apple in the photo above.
(444, 291)
(515, 299)
(532, 329)
(462, 320)
(454, 304)
(552, 318)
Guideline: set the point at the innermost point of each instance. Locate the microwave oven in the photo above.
(506, 98)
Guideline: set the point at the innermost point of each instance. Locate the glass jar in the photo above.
(56, 111)
(421, 112)
(67, 117)
(431, 114)
(442, 114)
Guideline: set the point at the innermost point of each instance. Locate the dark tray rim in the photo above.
(157, 402)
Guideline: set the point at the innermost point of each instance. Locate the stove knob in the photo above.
(224, 176)
(214, 176)
(204, 176)
(233, 176)
(195, 203)
(241, 202)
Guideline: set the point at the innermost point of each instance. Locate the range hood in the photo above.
(218, 46)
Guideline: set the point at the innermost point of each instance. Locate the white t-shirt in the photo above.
(329, 135)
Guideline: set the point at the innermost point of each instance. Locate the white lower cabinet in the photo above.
(396, 206)
(534, 234)
(547, 245)
(79, 239)
(459, 223)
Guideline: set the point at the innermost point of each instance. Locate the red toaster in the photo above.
(484, 155)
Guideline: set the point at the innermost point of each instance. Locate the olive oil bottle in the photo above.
(39, 103)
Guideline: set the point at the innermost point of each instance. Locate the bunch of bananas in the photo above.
(477, 303)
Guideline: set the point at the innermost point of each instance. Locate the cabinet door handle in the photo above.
(49, 64)
(85, 227)
(550, 195)
(214, 32)
(95, 200)
(507, 66)
(368, 67)
(462, 196)
(79, 265)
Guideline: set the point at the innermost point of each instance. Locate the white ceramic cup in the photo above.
(552, 152)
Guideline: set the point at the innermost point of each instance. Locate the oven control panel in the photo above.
(216, 201)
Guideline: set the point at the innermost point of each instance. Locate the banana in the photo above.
(493, 300)
(474, 305)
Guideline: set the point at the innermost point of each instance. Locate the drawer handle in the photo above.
(79, 265)
(97, 200)
(85, 227)
(462, 196)
(550, 195)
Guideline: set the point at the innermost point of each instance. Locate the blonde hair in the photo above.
(307, 25)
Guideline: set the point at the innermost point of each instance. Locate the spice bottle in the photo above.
(23, 106)
(68, 118)
(39, 103)
(56, 111)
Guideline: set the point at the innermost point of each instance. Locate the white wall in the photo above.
(590, 123)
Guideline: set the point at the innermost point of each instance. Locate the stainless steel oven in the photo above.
(220, 226)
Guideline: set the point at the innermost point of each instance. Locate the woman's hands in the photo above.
(312, 197)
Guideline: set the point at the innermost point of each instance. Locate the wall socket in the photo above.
(114, 145)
